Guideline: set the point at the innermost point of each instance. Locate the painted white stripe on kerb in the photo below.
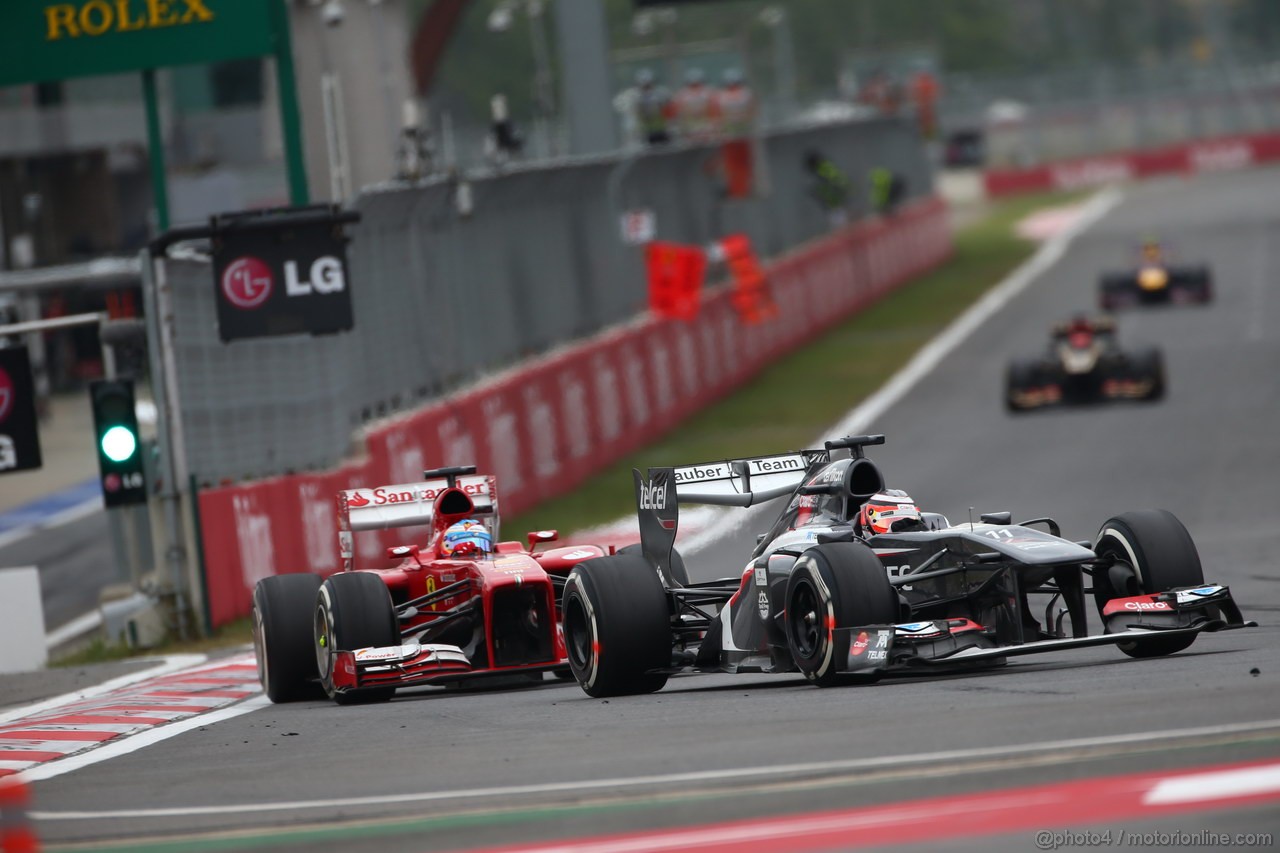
(1069, 748)
(929, 356)
(1219, 785)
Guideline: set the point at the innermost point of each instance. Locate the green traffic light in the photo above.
(119, 443)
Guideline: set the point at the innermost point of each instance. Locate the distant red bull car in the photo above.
(1155, 281)
(432, 618)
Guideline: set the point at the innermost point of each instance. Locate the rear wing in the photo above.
(405, 505)
(743, 482)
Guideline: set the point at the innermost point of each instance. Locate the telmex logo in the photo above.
(1146, 605)
(652, 496)
(694, 473)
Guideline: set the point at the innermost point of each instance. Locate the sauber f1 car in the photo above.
(1155, 281)
(820, 599)
(1084, 364)
(431, 618)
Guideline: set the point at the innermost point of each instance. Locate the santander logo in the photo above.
(357, 500)
(247, 282)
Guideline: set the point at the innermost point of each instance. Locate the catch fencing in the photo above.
(545, 426)
(444, 294)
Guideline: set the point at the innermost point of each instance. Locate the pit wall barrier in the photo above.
(550, 423)
(1208, 155)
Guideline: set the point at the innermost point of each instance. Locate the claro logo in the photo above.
(1146, 605)
(653, 496)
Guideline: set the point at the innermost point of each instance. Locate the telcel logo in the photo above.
(652, 496)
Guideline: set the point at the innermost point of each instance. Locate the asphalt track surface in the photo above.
(453, 770)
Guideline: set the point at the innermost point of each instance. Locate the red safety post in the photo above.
(751, 296)
(676, 274)
(16, 834)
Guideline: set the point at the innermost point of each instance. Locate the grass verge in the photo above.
(856, 357)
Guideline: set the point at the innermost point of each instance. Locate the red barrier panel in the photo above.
(1208, 155)
(545, 426)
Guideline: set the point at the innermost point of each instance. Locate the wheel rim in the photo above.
(260, 649)
(577, 636)
(803, 622)
(324, 642)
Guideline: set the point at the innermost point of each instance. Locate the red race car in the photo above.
(459, 608)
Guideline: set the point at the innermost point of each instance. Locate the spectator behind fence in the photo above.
(694, 108)
(735, 106)
(887, 190)
(653, 109)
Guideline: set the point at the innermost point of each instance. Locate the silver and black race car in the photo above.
(819, 598)
(1084, 364)
(1155, 281)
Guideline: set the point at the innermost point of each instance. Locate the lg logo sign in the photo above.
(247, 282)
(281, 274)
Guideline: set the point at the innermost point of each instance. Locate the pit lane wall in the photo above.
(546, 425)
(1208, 155)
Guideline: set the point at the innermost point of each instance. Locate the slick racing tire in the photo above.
(1153, 553)
(839, 585)
(1019, 376)
(1149, 365)
(282, 636)
(353, 610)
(617, 626)
(678, 570)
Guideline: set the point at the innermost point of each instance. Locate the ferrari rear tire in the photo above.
(678, 570)
(833, 586)
(617, 626)
(1153, 552)
(353, 610)
(282, 636)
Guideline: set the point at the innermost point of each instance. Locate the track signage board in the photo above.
(280, 277)
(19, 434)
(44, 40)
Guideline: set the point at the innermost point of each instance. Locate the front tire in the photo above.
(353, 610)
(1153, 553)
(839, 585)
(282, 636)
(617, 626)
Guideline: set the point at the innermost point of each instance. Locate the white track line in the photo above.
(165, 666)
(949, 757)
(66, 516)
(932, 353)
(80, 625)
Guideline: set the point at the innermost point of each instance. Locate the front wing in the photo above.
(958, 642)
(414, 664)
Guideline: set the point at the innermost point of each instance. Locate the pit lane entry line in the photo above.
(773, 772)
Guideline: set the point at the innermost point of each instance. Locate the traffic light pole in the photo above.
(158, 311)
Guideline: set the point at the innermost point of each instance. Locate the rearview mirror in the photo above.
(402, 551)
(536, 536)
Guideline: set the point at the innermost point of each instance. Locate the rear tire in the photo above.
(1153, 553)
(840, 585)
(1149, 364)
(617, 626)
(353, 610)
(282, 636)
(678, 570)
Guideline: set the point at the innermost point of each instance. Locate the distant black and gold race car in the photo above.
(1155, 281)
(1084, 364)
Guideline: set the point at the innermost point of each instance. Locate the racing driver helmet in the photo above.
(884, 511)
(466, 538)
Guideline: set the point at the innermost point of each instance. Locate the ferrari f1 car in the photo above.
(431, 618)
(820, 599)
(1155, 281)
(1084, 364)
